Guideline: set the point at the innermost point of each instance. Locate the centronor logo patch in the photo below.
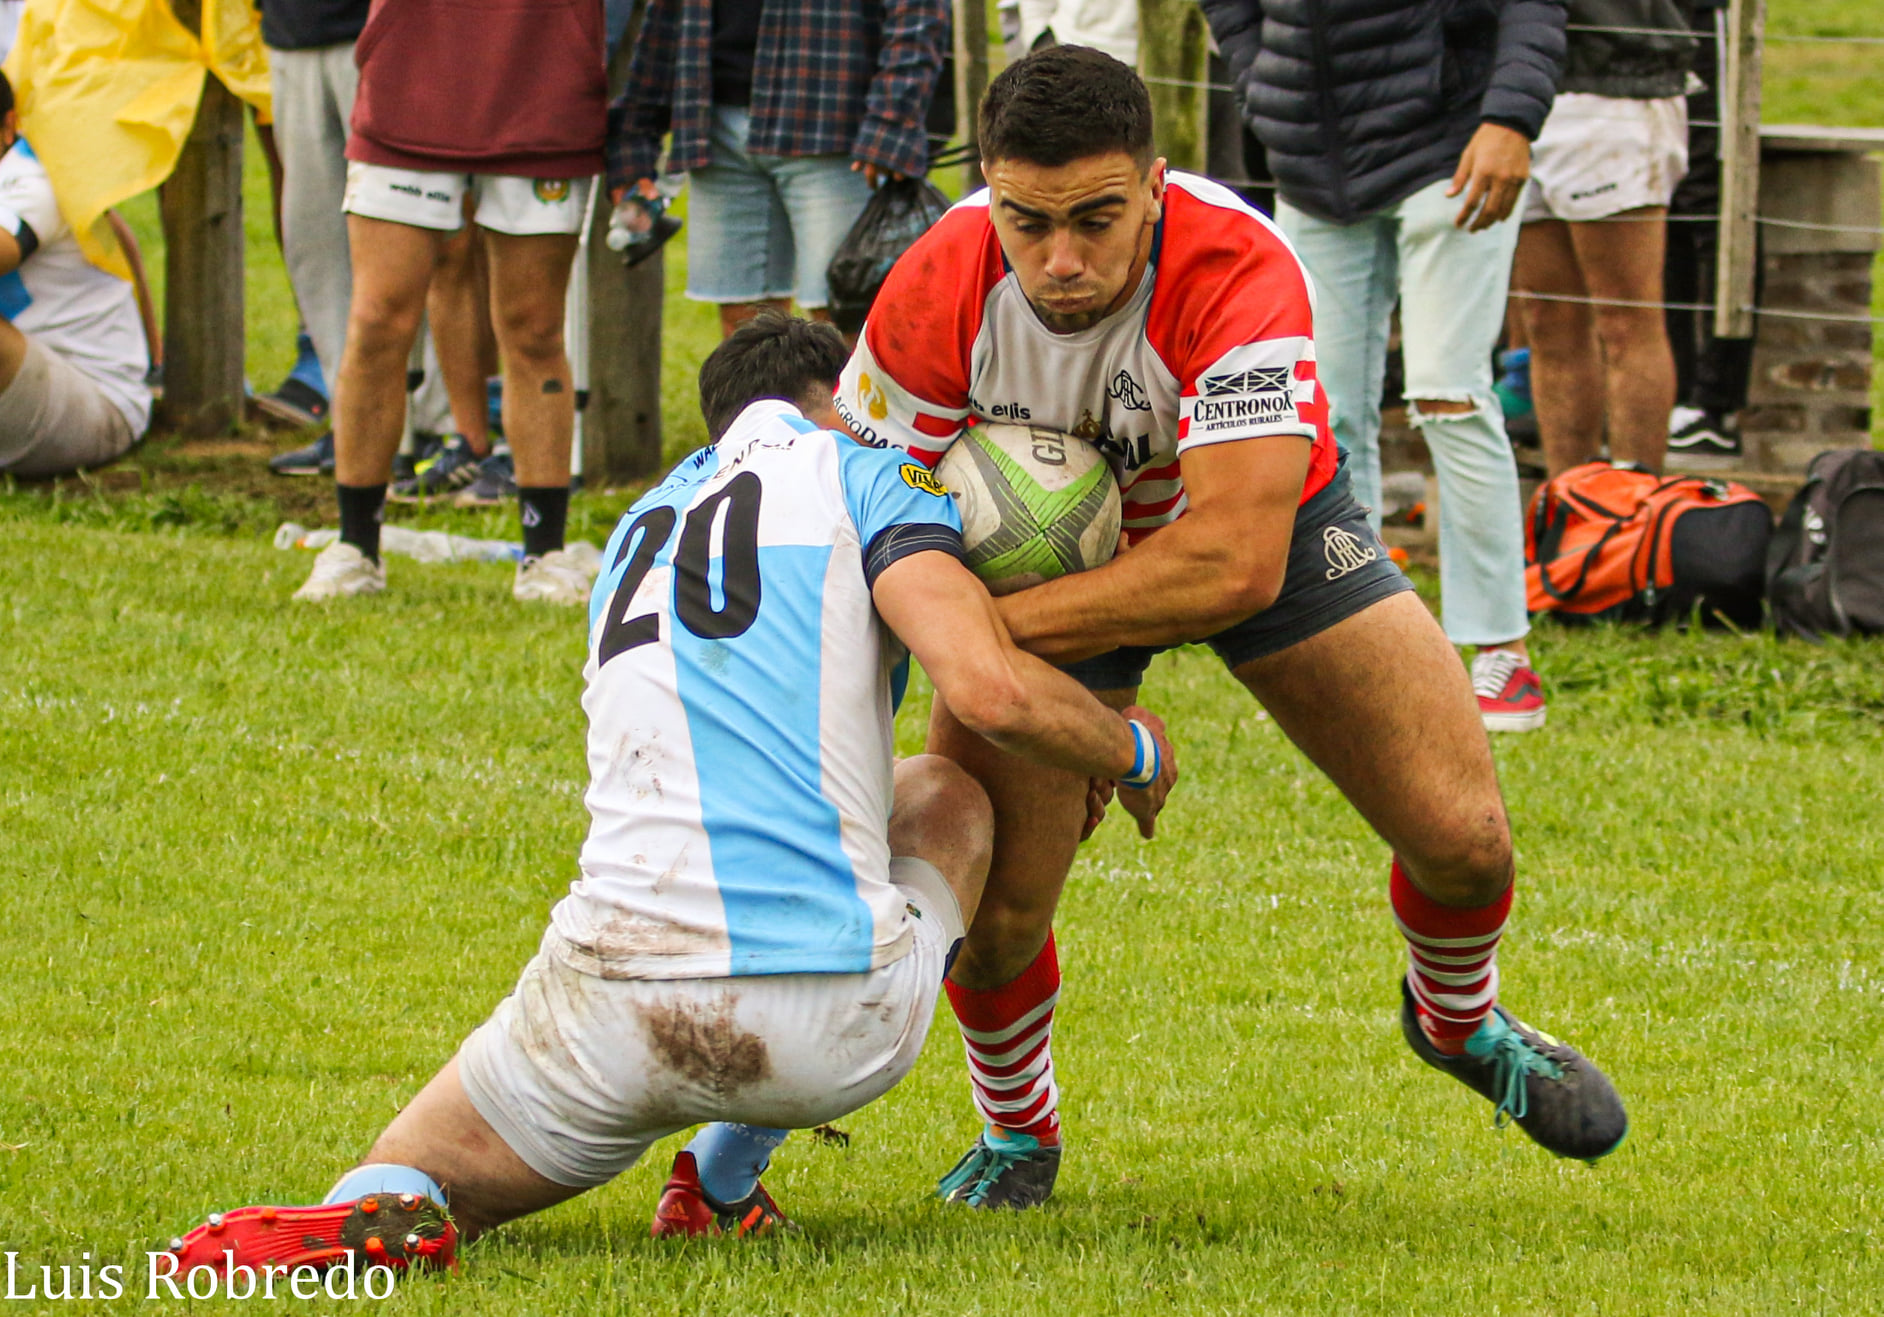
(549, 191)
(921, 477)
(1346, 552)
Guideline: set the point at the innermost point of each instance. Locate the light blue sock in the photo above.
(307, 364)
(384, 1178)
(732, 1158)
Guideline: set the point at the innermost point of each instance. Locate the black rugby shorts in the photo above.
(1337, 567)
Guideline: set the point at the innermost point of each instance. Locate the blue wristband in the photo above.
(1147, 762)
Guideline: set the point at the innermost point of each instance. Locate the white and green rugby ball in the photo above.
(1035, 504)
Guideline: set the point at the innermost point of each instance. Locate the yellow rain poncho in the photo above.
(107, 91)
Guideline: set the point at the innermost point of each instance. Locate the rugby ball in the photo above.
(1035, 504)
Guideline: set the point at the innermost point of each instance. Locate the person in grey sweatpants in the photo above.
(310, 61)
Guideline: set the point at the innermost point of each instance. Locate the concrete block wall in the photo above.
(1811, 386)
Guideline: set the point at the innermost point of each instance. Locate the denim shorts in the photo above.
(766, 226)
(1337, 567)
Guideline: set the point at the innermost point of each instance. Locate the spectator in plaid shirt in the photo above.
(785, 113)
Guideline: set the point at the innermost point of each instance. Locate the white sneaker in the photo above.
(342, 571)
(557, 577)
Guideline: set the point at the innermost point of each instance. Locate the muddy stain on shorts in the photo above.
(702, 1041)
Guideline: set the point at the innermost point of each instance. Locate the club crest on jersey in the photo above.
(1126, 391)
(549, 191)
(1346, 552)
(921, 477)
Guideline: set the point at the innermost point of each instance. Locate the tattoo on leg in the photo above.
(552, 386)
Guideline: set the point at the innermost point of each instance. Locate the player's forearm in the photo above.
(1044, 715)
(1190, 580)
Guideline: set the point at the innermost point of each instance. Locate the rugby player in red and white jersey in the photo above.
(1088, 290)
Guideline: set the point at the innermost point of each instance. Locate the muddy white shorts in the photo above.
(1602, 155)
(502, 203)
(580, 1074)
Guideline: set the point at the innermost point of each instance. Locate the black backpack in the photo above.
(1825, 566)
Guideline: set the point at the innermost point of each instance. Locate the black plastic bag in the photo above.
(899, 212)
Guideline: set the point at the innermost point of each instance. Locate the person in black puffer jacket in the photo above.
(1606, 165)
(1399, 132)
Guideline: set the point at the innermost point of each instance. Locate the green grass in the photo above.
(267, 864)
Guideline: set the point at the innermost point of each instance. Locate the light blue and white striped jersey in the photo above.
(741, 691)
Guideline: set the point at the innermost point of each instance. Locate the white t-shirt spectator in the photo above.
(70, 306)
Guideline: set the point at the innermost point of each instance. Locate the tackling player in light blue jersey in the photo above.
(767, 901)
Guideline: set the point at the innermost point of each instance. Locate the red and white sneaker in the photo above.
(387, 1230)
(686, 1211)
(1510, 697)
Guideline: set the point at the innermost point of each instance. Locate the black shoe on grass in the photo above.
(496, 482)
(1015, 1170)
(446, 471)
(316, 459)
(1554, 1093)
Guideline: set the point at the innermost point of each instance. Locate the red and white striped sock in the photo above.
(1007, 1031)
(1452, 953)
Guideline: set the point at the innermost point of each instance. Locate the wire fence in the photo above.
(1785, 38)
(1781, 312)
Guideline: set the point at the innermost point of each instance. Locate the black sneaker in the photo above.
(1554, 1093)
(1698, 438)
(316, 459)
(451, 468)
(496, 482)
(296, 403)
(1015, 1170)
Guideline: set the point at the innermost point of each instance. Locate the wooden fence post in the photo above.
(971, 80)
(204, 337)
(1739, 170)
(621, 425)
(1174, 48)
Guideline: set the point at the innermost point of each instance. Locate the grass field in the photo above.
(267, 864)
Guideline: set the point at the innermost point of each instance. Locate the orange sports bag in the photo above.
(1613, 542)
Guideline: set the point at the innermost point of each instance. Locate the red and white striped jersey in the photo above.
(1216, 344)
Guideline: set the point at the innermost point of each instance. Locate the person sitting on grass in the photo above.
(767, 902)
(73, 351)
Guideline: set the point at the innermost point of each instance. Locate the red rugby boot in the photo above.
(390, 1230)
(685, 1210)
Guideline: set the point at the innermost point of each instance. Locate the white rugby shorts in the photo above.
(580, 1074)
(1602, 155)
(502, 203)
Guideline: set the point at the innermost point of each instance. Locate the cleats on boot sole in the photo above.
(391, 1230)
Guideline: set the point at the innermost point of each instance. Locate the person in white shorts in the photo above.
(516, 126)
(767, 902)
(73, 354)
(1602, 174)
(398, 220)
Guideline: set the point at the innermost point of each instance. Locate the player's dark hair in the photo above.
(6, 96)
(1066, 103)
(770, 356)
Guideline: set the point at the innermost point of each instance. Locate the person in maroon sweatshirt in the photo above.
(503, 107)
